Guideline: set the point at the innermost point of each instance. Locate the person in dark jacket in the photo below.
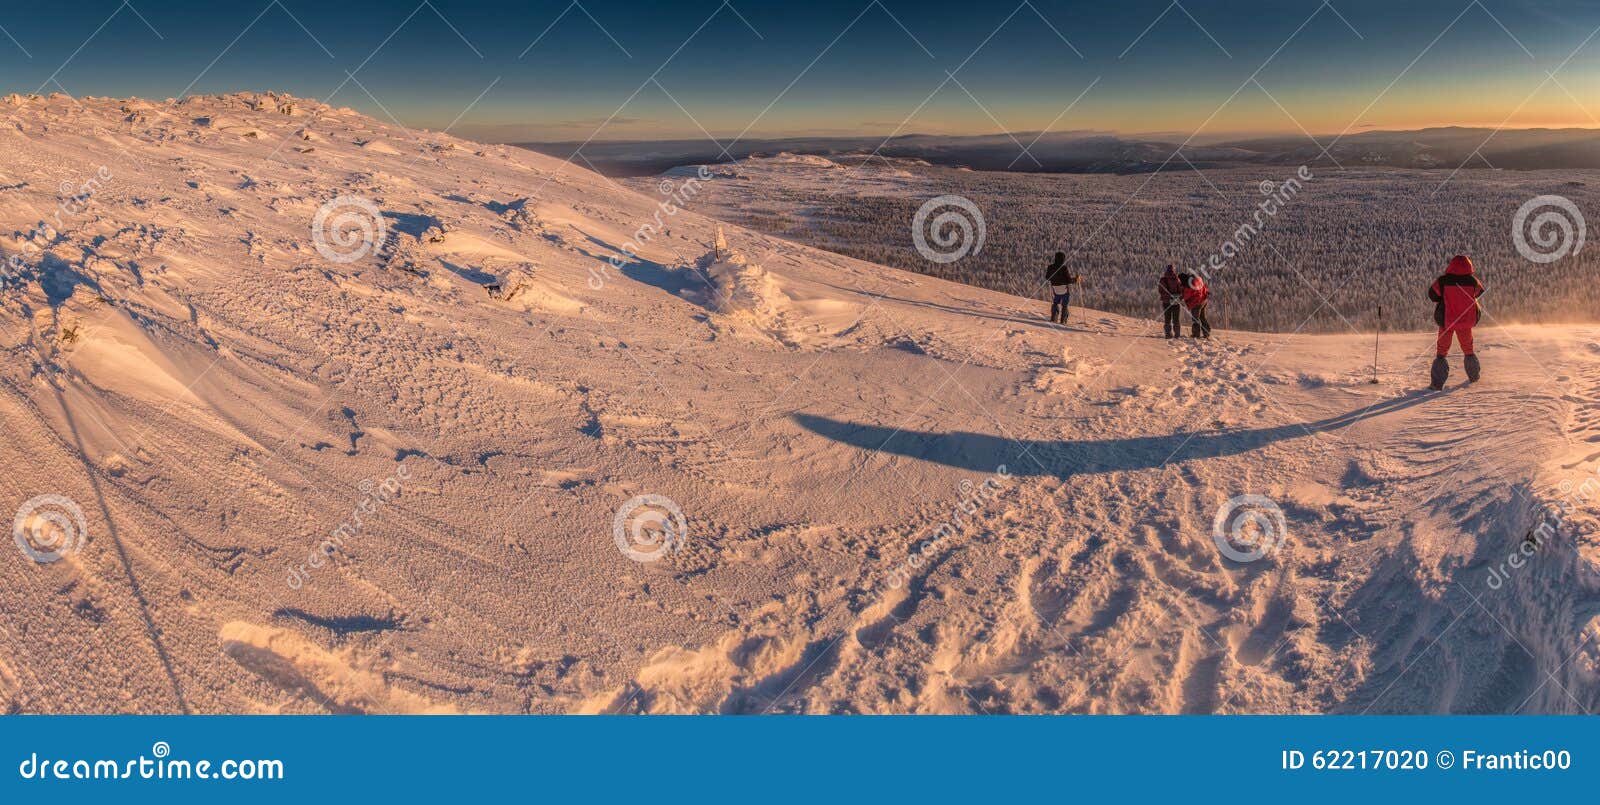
(1195, 296)
(1171, 289)
(1455, 309)
(1061, 280)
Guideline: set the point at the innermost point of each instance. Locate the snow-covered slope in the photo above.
(898, 494)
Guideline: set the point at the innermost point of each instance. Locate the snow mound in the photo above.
(379, 147)
(295, 664)
(805, 160)
(744, 290)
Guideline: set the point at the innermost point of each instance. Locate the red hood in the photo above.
(1459, 265)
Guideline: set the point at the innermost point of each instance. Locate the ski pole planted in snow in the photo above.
(1375, 336)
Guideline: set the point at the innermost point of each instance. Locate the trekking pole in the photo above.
(1375, 336)
(1083, 301)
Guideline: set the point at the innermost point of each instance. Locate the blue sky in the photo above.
(618, 70)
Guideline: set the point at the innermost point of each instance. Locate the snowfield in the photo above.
(321, 466)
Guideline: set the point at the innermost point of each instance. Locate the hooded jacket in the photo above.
(1195, 292)
(1455, 296)
(1171, 287)
(1058, 274)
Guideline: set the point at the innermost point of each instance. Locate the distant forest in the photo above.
(1345, 243)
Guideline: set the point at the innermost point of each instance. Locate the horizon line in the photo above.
(1155, 136)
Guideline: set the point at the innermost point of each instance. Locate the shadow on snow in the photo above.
(981, 452)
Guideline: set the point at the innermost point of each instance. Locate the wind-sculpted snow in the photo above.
(1286, 249)
(302, 412)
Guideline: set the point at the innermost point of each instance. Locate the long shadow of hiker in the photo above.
(981, 452)
(139, 597)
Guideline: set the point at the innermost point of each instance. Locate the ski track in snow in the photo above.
(219, 398)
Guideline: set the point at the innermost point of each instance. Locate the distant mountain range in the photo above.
(1100, 152)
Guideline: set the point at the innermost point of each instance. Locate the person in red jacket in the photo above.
(1195, 296)
(1455, 309)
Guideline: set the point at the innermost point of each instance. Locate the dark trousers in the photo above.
(1172, 320)
(1202, 326)
(1058, 307)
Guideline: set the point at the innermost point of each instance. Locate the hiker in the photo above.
(1195, 296)
(1171, 298)
(1455, 309)
(1061, 280)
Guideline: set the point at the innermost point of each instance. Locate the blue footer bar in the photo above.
(791, 759)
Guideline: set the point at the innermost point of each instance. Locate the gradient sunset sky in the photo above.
(560, 70)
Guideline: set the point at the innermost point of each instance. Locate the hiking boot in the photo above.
(1440, 373)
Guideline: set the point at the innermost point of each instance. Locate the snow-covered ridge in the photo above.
(241, 329)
